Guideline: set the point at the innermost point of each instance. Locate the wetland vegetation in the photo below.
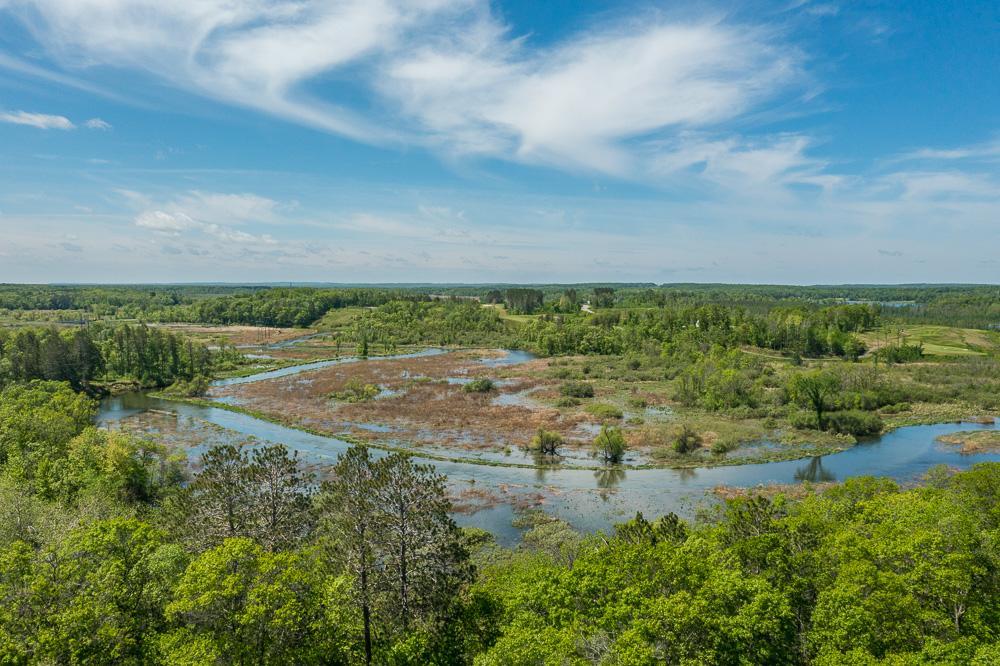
(162, 538)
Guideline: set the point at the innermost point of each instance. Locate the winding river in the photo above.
(589, 499)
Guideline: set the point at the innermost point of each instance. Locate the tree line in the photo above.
(152, 356)
(827, 331)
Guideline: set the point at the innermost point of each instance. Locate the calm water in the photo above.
(592, 499)
(316, 365)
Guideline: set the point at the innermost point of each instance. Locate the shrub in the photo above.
(546, 442)
(803, 420)
(479, 385)
(634, 364)
(687, 440)
(604, 411)
(637, 403)
(901, 353)
(355, 391)
(577, 390)
(610, 445)
(722, 446)
(854, 422)
(567, 402)
(194, 388)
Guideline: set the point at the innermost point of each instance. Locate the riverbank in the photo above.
(974, 442)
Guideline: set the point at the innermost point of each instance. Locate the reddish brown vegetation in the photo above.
(426, 409)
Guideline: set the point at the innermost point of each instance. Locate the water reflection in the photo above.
(609, 477)
(902, 454)
(545, 464)
(687, 473)
(814, 471)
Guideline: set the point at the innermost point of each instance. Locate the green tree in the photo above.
(420, 546)
(609, 445)
(546, 443)
(240, 604)
(815, 388)
(388, 525)
(96, 597)
(262, 495)
(687, 440)
(348, 518)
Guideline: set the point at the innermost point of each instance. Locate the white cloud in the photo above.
(989, 150)
(579, 103)
(97, 124)
(740, 164)
(159, 220)
(39, 120)
(444, 73)
(208, 213)
(255, 54)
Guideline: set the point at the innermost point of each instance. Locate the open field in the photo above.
(938, 340)
(238, 335)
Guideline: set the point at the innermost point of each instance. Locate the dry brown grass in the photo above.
(976, 441)
(238, 335)
(790, 490)
(426, 410)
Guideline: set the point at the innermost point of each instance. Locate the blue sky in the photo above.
(800, 141)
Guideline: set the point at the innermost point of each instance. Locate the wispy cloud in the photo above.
(987, 151)
(579, 104)
(448, 74)
(39, 120)
(48, 121)
(208, 213)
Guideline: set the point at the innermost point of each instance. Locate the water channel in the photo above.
(590, 499)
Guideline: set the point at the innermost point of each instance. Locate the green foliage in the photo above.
(387, 522)
(604, 411)
(523, 301)
(193, 388)
(604, 297)
(900, 353)
(261, 495)
(546, 443)
(815, 388)
(687, 440)
(240, 604)
(96, 597)
(438, 322)
(153, 356)
(300, 306)
(355, 391)
(479, 385)
(855, 422)
(862, 574)
(38, 419)
(640, 531)
(802, 329)
(577, 389)
(609, 445)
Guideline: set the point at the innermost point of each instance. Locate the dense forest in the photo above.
(973, 306)
(109, 554)
(81, 355)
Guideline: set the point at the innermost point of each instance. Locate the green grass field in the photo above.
(939, 340)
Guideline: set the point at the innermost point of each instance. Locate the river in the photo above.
(589, 499)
